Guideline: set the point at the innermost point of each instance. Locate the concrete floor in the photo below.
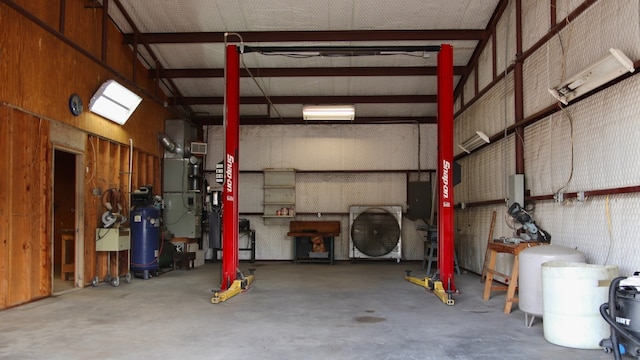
(364, 310)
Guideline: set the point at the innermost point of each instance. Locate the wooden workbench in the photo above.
(304, 231)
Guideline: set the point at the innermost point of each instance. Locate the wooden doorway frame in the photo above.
(78, 274)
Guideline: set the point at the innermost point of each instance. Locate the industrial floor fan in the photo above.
(375, 232)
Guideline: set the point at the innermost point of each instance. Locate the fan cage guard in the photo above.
(375, 231)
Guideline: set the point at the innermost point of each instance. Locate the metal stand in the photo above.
(114, 240)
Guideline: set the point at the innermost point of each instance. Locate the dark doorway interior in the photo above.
(64, 217)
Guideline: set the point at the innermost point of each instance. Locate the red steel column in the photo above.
(230, 248)
(445, 168)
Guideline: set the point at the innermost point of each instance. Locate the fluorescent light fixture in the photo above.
(328, 112)
(615, 64)
(474, 142)
(114, 102)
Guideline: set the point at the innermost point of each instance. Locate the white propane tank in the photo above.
(571, 297)
(530, 279)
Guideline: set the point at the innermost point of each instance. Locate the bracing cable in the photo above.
(264, 93)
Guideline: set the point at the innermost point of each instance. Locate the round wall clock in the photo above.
(75, 104)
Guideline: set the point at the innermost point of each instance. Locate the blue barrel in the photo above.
(145, 239)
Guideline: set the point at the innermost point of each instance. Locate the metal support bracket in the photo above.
(434, 286)
(236, 288)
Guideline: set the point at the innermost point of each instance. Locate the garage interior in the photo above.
(116, 237)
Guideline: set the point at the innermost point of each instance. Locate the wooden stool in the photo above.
(512, 280)
(67, 247)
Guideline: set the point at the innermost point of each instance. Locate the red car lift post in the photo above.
(445, 167)
(232, 280)
(444, 287)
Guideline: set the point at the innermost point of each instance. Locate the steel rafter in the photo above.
(310, 71)
(304, 36)
(364, 99)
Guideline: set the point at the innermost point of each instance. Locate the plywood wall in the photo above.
(108, 168)
(39, 71)
(25, 203)
(44, 61)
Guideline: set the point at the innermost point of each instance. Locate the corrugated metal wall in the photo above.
(345, 165)
(591, 145)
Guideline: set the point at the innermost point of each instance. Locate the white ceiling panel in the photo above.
(187, 36)
(269, 15)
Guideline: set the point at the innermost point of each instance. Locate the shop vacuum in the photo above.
(622, 313)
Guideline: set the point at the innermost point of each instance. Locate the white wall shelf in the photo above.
(279, 193)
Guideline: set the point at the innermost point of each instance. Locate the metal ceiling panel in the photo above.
(265, 15)
(199, 26)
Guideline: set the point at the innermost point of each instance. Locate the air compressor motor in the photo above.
(622, 313)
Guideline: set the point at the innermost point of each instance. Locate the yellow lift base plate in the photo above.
(236, 288)
(434, 286)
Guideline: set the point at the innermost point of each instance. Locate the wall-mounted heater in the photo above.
(474, 142)
(615, 64)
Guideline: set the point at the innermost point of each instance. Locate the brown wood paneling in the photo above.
(103, 175)
(25, 234)
(142, 169)
(50, 14)
(29, 265)
(150, 170)
(91, 205)
(115, 180)
(5, 183)
(10, 59)
(110, 163)
(124, 169)
(39, 70)
(135, 176)
(83, 25)
(157, 174)
(41, 205)
(20, 269)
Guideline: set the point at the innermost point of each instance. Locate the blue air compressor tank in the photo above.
(145, 239)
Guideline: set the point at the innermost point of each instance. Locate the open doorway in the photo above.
(66, 246)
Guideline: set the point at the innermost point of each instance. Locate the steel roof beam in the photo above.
(303, 36)
(301, 72)
(264, 120)
(366, 99)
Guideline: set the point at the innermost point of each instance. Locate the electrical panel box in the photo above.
(183, 214)
(516, 189)
(419, 200)
(113, 239)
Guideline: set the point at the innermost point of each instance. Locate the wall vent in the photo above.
(199, 148)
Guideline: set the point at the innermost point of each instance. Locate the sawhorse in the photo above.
(512, 279)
